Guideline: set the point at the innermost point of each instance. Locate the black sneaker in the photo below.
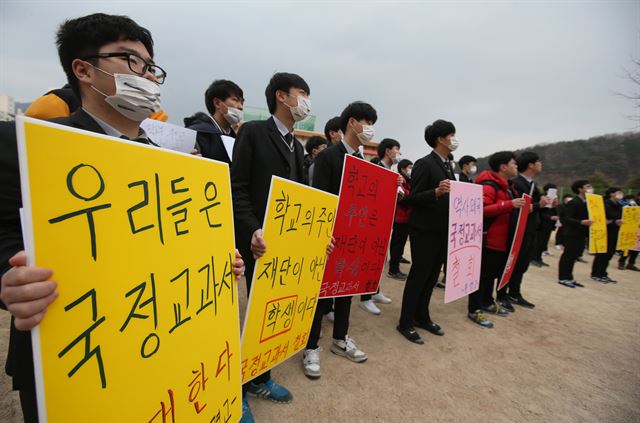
(411, 335)
(578, 284)
(519, 299)
(397, 275)
(404, 260)
(609, 280)
(440, 284)
(632, 267)
(504, 302)
(537, 263)
(599, 279)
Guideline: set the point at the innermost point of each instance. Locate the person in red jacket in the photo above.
(400, 223)
(499, 203)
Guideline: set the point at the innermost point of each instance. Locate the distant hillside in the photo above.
(605, 160)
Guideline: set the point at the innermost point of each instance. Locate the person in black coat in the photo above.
(428, 227)
(575, 223)
(264, 149)
(225, 102)
(548, 219)
(26, 291)
(468, 168)
(613, 211)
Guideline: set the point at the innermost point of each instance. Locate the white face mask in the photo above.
(619, 197)
(397, 158)
(473, 170)
(366, 135)
(454, 144)
(589, 191)
(302, 110)
(408, 173)
(135, 98)
(233, 115)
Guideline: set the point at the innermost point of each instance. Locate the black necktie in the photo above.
(289, 139)
(447, 164)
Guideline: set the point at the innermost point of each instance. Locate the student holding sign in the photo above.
(613, 212)
(224, 101)
(575, 224)
(357, 126)
(108, 61)
(264, 149)
(428, 225)
(499, 201)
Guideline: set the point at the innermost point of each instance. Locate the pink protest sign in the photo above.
(464, 254)
(521, 225)
(362, 229)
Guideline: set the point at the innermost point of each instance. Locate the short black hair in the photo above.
(313, 143)
(549, 185)
(284, 82)
(466, 159)
(439, 128)
(402, 164)
(525, 159)
(611, 190)
(358, 110)
(83, 37)
(500, 158)
(386, 144)
(332, 124)
(222, 89)
(576, 185)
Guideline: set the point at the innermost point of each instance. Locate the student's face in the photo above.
(586, 188)
(231, 101)
(393, 152)
(511, 168)
(291, 98)
(537, 167)
(317, 150)
(113, 65)
(357, 126)
(336, 136)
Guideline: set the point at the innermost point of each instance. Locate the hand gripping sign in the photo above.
(141, 244)
(514, 251)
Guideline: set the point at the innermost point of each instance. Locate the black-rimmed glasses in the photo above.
(137, 64)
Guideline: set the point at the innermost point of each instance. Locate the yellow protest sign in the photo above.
(286, 281)
(598, 228)
(141, 242)
(628, 234)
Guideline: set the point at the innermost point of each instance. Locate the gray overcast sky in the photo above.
(507, 74)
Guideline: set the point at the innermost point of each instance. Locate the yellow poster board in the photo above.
(628, 234)
(286, 281)
(141, 242)
(598, 228)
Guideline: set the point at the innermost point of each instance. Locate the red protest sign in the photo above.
(517, 242)
(362, 229)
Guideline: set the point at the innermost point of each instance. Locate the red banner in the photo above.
(523, 216)
(362, 229)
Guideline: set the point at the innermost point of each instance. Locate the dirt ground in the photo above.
(574, 358)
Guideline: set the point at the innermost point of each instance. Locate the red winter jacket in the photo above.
(498, 207)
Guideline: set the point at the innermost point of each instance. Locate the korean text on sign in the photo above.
(464, 252)
(363, 227)
(141, 244)
(628, 234)
(598, 228)
(286, 280)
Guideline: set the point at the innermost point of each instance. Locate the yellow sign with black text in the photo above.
(598, 227)
(141, 243)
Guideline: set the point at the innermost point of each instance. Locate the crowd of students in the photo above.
(109, 65)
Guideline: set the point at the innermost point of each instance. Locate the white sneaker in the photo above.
(381, 298)
(311, 363)
(330, 316)
(348, 349)
(370, 307)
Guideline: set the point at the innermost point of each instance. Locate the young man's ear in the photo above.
(82, 70)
